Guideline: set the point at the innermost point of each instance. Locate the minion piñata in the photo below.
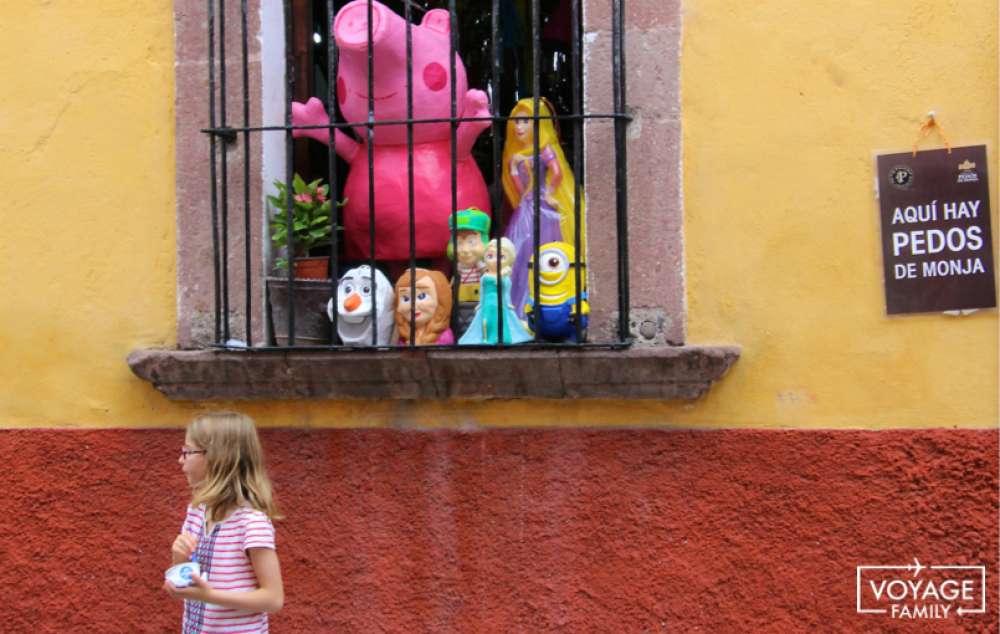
(556, 317)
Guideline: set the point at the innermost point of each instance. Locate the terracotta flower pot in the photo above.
(312, 268)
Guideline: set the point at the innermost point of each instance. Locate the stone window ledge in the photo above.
(662, 373)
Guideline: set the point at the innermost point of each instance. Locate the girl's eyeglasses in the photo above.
(185, 452)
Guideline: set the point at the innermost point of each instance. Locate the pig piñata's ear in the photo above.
(437, 19)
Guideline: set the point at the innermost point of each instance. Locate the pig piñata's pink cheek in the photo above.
(435, 76)
(341, 90)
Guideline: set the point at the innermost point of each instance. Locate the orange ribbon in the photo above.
(928, 126)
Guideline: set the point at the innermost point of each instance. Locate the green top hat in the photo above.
(472, 219)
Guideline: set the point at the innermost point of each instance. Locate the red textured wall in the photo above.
(513, 531)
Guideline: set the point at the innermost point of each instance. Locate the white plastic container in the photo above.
(180, 575)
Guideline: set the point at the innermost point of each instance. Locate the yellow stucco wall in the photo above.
(783, 106)
(86, 166)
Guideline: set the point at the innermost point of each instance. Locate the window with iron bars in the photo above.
(224, 349)
(527, 56)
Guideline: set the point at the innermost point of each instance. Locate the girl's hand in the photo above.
(515, 162)
(198, 591)
(268, 597)
(183, 547)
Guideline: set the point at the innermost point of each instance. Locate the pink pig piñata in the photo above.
(431, 141)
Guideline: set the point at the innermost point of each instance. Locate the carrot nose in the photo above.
(352, 302)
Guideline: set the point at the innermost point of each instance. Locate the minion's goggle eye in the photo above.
(554, 261)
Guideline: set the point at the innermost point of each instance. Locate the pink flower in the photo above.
(320, 196)
(303, 198)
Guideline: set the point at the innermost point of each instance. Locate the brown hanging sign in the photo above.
(937, 247)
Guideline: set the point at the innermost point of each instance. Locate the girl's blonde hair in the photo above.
(547, 137)
(234, 474)
(442, 315)
(509, 252)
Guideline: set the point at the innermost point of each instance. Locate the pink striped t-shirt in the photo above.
(223, 554)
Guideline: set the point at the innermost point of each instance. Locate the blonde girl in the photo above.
(505, 260)
(484, 328)
(556, 199)
(559, 182)
(228, 529)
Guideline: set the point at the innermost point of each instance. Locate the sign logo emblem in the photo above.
(967, 172)
(916, 591)
(901, 176)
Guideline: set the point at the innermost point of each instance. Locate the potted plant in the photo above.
(310, 291)
(311, 228)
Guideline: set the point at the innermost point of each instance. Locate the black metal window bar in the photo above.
(221, 132)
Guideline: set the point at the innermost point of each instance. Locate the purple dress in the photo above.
(522, 225)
